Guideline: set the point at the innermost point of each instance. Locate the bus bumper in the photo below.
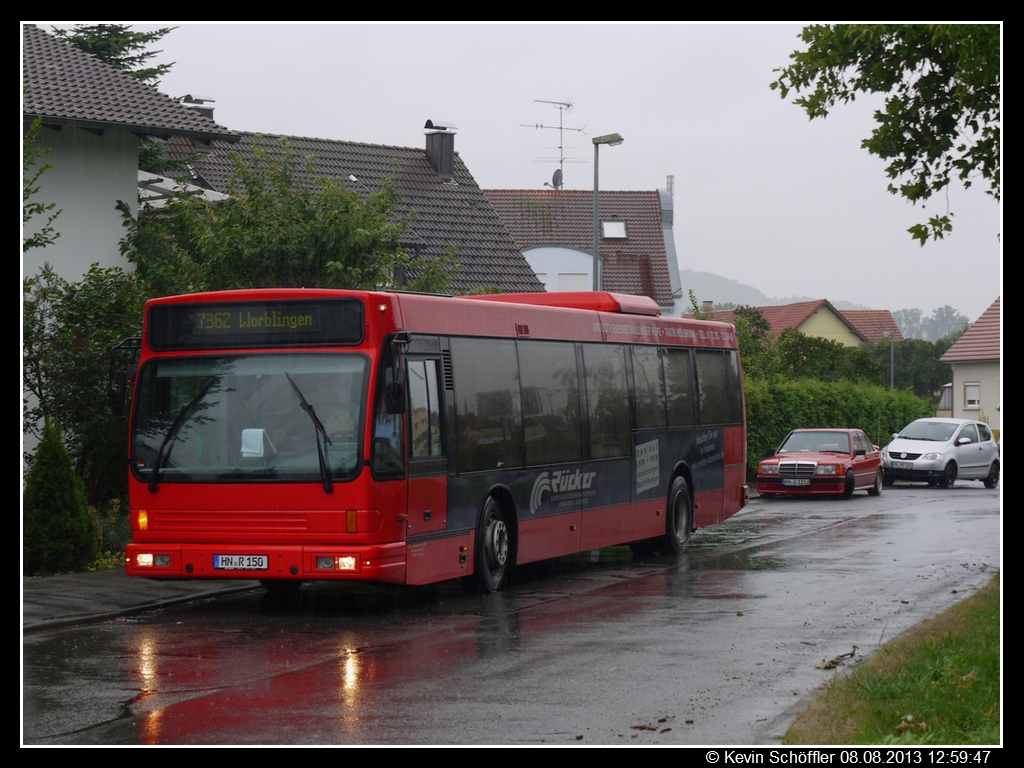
(373, 562)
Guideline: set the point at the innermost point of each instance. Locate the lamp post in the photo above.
(613, 140)
(892, 358)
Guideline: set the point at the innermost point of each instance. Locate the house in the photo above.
(874, 324)
(93, 117)
(433, 181)
(812, 318)
(555, 231)
(975, 359)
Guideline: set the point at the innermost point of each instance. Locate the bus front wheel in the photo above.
(680, 517)
(493, 547)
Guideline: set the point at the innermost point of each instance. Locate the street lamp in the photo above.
(612, 140)
(892, 358)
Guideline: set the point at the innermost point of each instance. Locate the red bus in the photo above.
(297, 435)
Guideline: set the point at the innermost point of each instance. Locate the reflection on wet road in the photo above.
(717, 646)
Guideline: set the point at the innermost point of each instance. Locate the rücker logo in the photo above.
(558, 482)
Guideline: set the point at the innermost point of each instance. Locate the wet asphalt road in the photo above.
(717, 647)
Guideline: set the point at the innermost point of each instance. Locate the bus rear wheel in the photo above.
(680, 517)
(493, 547)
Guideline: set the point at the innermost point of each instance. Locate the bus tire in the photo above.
(493, 547)
(680, 518)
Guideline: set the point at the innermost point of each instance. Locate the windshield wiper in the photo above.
(325, 474)
(160, 457)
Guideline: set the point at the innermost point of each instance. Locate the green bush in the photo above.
(60, 533)
(775, 406)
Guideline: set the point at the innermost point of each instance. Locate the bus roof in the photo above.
(598, 301)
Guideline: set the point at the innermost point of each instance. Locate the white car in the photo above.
(938, 451)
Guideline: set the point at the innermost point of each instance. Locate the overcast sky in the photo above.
(762, 195)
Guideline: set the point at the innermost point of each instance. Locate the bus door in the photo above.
(426, 531)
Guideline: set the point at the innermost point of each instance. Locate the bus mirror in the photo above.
(117, 390)
(394, 390)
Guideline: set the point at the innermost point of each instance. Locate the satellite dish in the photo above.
(556, 178)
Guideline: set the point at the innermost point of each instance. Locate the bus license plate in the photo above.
(240, 562)
(800, 481)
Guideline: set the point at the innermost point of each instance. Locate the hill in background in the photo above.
(721, 290)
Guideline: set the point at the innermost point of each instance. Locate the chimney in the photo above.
(441, 148)
(201, 104)
(708, 306)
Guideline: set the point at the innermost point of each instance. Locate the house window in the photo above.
(573, 281)
(972, 394)
(614, 230)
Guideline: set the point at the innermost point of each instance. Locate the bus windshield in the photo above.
(245, 418)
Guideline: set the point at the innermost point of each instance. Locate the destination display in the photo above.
(230, 325)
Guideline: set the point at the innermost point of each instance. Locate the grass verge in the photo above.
(938, 684)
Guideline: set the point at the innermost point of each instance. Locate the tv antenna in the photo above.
(562, 107)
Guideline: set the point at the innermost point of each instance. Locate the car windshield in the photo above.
(247, 417)
(820, 442)
(937, 431)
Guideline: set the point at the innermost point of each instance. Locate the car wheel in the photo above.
(876, 489)
(848, 489)
(948, 476)
(493, 547)
(887, 481)
(993, 475)
(680, 518)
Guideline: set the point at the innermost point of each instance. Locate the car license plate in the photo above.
(240, 562)
(798, 481)
(902, 465)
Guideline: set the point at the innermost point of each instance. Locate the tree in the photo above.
(917, 364)
(910, 323)
(67, 332)
(59, 532)
(944, 321)
(31, 155)
(120, 47)
(757, 353)
(942, 110)
(273, 231)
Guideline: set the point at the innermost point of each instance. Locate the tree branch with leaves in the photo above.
(941, 119)
(31, 154)
(275, 231)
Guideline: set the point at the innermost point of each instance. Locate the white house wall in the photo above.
(550, 261)
(90, 174)
(986, 374)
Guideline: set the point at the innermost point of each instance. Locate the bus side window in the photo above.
(425, 411)
(388, 458)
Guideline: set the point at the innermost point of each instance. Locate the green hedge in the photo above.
(776, 406)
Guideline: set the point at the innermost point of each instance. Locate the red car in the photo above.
(822, 461)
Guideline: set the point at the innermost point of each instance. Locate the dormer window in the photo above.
(613, 230)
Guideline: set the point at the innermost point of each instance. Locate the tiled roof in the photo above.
(873, 324)
(785, 317)
(636, 265)
(980, 341)
(447, 213)
(66, 86)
